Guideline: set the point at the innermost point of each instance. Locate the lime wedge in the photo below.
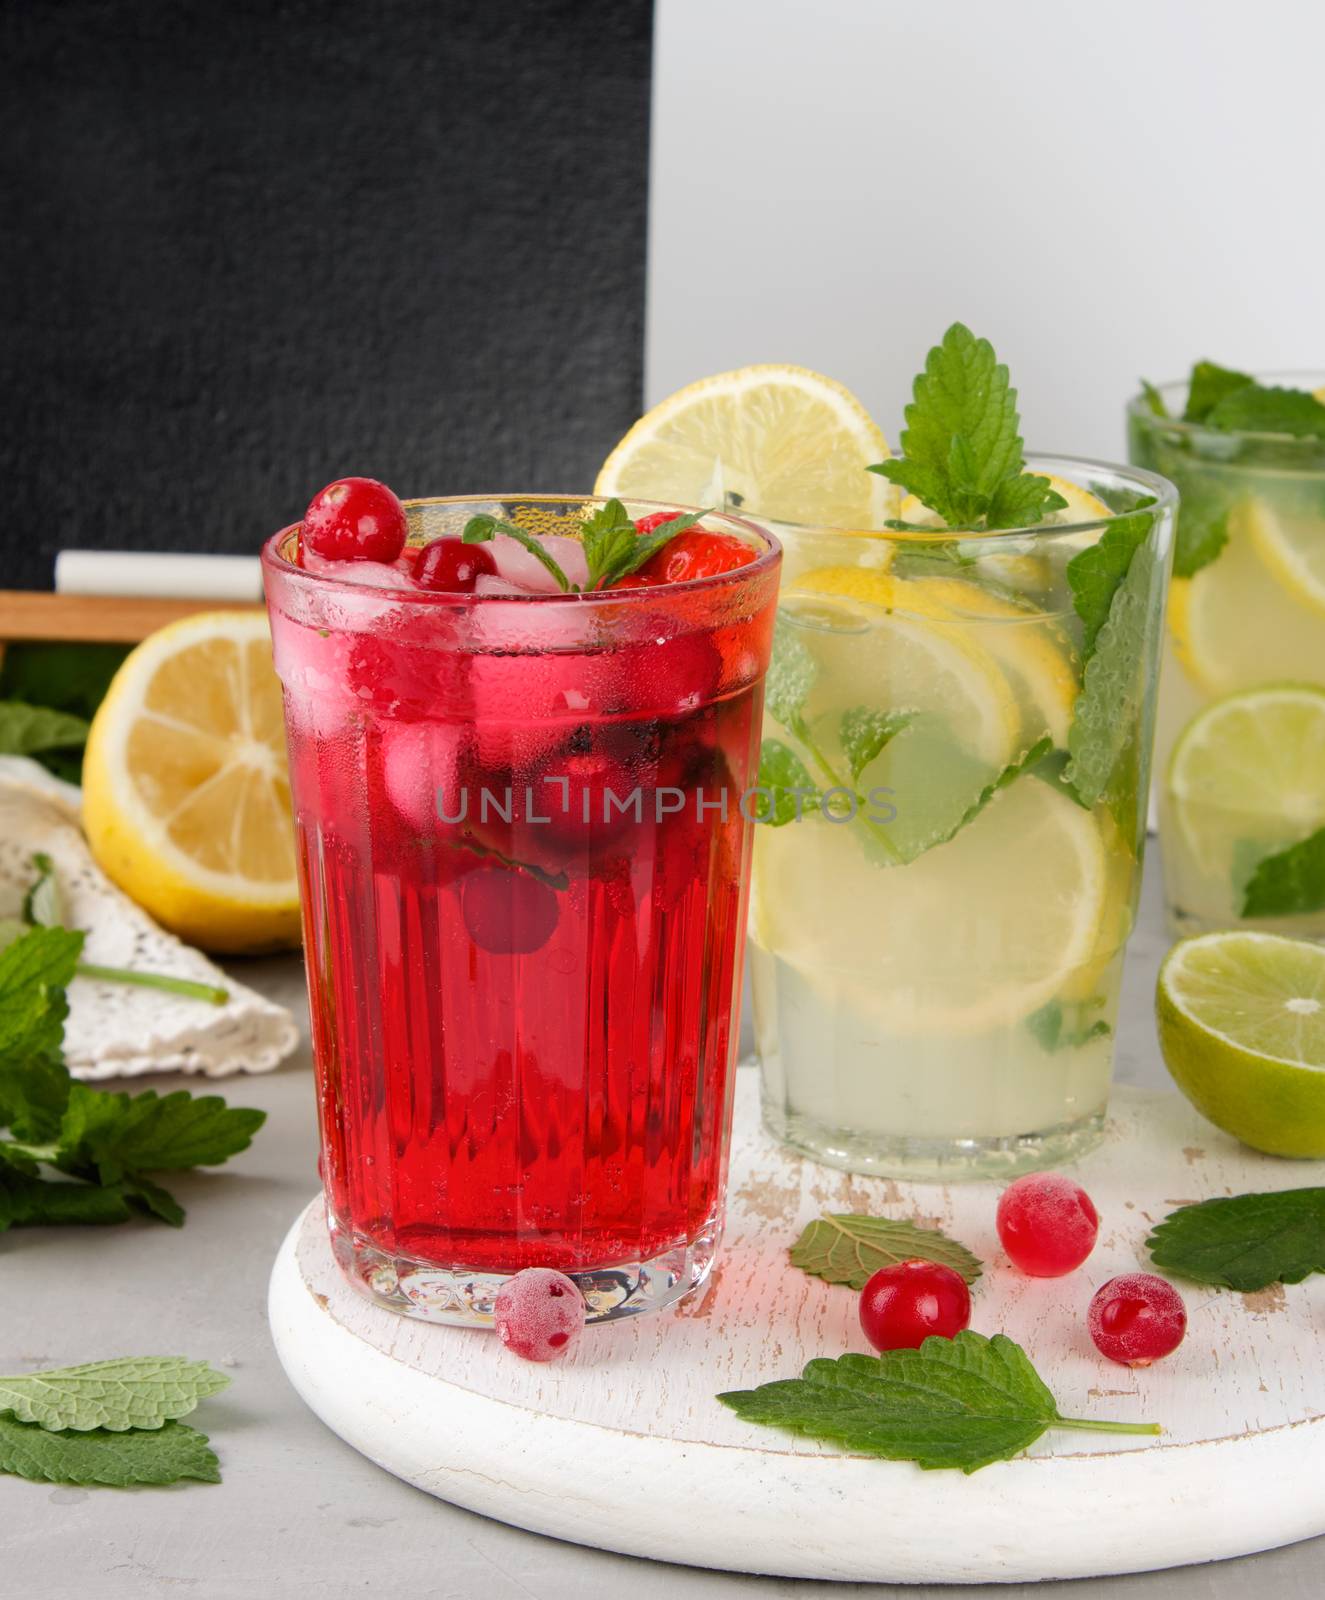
(1242, 1028)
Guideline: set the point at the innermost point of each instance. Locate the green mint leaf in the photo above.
(1022, 502)
(1202, 527)
(132, 1392)
(961, 446)
(609, 538)
(43, 905)
(34, 972)
(65, 677)
(1058, 1027)
(480, 529)
(865, 732)
(1101, 742)
(1154, 399)
(842, 1247)
(32, 1202)
(791, 675)
(649, 544)
(961, 1403)
(153, 1199)
(915, 558)
(1208, 385)
(1094, 576)
(27, 730)
(789, 786)
(1256, 410)
(1244, 1242)
(163, 1455)
(1290, 881)
(115, 1134)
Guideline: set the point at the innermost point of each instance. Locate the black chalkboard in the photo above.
(249, 247)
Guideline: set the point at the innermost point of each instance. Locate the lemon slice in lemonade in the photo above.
(1293, 547)
(1235, 624)
(186, 800)
(901, 647)
(1249, 770)
(930, 953)
(778, 441)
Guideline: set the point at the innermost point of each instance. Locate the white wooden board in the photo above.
(622, 1445)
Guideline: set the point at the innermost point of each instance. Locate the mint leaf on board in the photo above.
(65, 677)
(789, 785)
(1289, 882)
(961, 446)
(34, 972)
(1056, 1026)
(961, 1403)
(1253, 409)
(131, 1392)
(27, 730)
(1095, 574)
(844, 1247)
(161, 1455)
(1208, 385)
(865, 732)
(1245, 1241)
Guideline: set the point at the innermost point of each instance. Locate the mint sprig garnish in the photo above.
(1208, 384)
(962, 453)
(843, 1247)
(613, 546)
(1246, 1241)
(108, 1422)
(108, 1143)
(43, 907)
(954, 1403)
(1254, 409)
(1291, 882)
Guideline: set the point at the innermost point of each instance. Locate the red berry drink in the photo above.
(522, 817)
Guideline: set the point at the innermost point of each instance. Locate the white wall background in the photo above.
(1104, 190)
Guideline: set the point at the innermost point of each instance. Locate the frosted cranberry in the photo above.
(508, 913)
(539, 1314)
(1137, 1319)
(450, 566)
(694, 554)
(1047, 1224)
(355, 519)
(902, 1306)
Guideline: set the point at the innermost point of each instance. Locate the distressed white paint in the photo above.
(622, 1446)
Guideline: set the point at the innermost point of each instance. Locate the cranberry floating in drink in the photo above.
(521, 748)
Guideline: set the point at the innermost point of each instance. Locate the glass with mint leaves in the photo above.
(955, 761)
(1241, 740)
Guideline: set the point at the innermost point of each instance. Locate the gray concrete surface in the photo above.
(299, 1514)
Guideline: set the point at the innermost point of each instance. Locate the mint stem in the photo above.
(155, 980)
(1093, 1426)
(479, 529)
(835, 781)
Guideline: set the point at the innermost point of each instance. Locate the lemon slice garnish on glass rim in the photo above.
(186, 797)
(778, 441)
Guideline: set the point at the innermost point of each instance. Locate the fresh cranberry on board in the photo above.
(1137, 1319)
(450, 566)
(539, 1314)
(355, 519)
(903, 1305)
(1047, 1224)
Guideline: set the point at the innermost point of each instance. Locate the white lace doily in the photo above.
(114, 1029)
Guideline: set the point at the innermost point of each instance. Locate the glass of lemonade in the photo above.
(1240, 746)
(956, 755)
(524, 868)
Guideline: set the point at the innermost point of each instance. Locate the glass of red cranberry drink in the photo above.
(523, 736)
